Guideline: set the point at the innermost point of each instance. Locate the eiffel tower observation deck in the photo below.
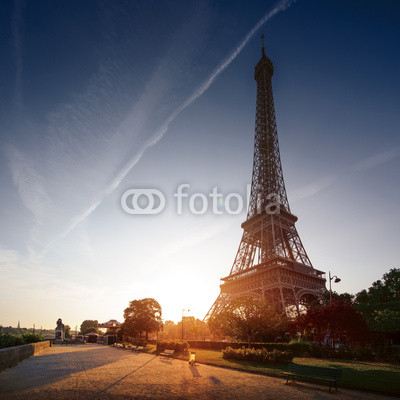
(271, 261)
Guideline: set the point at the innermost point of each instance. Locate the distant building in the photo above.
(112, 323)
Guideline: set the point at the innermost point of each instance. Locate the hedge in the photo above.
(382, 354)
(178, 346)
(297, 349)
(258, 355)
(307, 349)
(10, 340)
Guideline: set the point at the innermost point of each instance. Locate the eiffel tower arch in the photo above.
(271, 261)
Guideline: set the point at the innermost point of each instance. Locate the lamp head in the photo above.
(337, 280)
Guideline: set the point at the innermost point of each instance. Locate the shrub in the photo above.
(345, 353)
(10, 340)
(178, 346)
(388, 354)
(299, 348)
(31, 337)
(258, 355)
(361, 354)
(138, 342)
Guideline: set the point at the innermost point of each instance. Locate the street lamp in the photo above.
(337, 280)
(183, 311)
(157, 315)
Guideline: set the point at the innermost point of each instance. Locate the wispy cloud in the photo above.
(31, 190)
(361, 166)
(160, 132)
(94, 141)
(376, 160)
(196, 236)
(313, 187)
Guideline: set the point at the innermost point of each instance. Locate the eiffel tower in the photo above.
(271, 262)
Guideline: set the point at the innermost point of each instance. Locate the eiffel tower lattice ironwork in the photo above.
(271, 261)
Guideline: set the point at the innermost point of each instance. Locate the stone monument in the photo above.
(59, 331)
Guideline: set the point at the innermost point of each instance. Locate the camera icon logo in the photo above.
(143, 201)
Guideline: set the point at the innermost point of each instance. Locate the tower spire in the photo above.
(262, 42)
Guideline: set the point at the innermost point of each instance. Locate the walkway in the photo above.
(100, 372)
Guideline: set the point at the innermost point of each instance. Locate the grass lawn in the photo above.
(380, 377)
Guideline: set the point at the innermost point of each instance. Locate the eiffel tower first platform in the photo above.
(271, 261)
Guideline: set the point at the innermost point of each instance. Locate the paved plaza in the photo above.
(100, 372)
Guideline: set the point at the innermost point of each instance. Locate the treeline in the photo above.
(192, 328)
(371, 316)
(144, 317)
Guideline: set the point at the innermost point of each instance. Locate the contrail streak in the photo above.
(160, 132)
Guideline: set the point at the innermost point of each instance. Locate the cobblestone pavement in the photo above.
(100, 372)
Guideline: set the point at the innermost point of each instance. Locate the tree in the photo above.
(89, 323)
(381, 295)
(140, 317)
(170, 330)
(67, 333)
(386, 321)
(90, 329)
(380, 304)
(337, 321)
(247, 318)
(203, 330)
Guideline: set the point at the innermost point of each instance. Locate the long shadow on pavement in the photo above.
(45, 369)
(121, 379)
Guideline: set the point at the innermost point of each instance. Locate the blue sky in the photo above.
(101, 97)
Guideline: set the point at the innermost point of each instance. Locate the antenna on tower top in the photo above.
(262, 41)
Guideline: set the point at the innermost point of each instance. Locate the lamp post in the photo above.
(337, 280)
(157, 316)
(183, 311)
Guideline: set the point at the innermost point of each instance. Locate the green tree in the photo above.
(383, 294)
(202, 330)
(67, 330)
(170, 330)
(140, 317)
(90, 329)
(189, 329)
(89, 323)
(247, 318)
(380, 304)
(386, 321)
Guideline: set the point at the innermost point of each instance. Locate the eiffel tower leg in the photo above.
(282, 296)
(218, 305)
